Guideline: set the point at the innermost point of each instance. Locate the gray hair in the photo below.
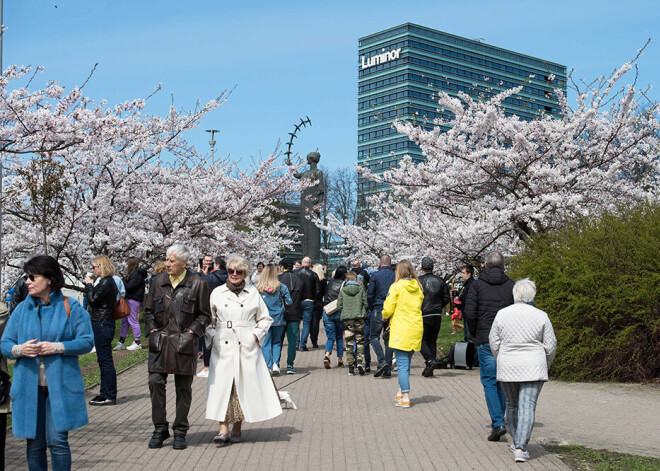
(239, 263)
(524, 291)
(494, 259)
(182, 252)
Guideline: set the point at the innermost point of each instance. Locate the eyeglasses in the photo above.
(231, 271)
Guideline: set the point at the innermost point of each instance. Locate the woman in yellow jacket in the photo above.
(404, 306)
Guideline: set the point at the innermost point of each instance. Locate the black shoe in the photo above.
(387, 374)
(235, 438)
(340, 364)
(179, 441)
(102, 401)
(158, 438)
(380, 370)
(428, 371)
(315, 346)
(304, 349)
(222, 439)
(367, 369)
(326, 363)
(496, 434)
(360, 368)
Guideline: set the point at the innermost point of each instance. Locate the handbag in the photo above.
(331, 307)
(121, 309)
(5, 386)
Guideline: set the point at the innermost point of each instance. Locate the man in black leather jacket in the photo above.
(310, 290)
(176, 313)
(292, 312)
(436, 296)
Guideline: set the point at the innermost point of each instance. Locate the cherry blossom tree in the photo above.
(83, 179)
(493, 181)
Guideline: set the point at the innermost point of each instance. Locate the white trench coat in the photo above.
(236, 356)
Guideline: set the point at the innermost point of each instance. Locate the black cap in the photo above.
(427, 263)
(287, 263)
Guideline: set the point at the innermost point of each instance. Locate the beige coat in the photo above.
(236, 356)
(4, 317)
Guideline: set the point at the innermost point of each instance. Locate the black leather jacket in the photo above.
(332, 290)
(310, 283)
(101, 299)
(436, 293)
(172, 311)
(19, 294)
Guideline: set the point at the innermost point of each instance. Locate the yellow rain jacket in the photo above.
(404, 305)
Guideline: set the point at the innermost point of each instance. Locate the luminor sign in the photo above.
(380, 58)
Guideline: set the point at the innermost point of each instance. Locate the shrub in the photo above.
(599, 281)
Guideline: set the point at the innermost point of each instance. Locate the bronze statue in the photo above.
(311, 197)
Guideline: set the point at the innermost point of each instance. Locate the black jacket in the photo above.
(321, 294)
(332, 290)
(310, 283)
(134, 285)
(216, 278)
(101, 299)
(464, 293)
(19, 294)
(490, 293)
(436, 294)
(171, 311)
(292, 281)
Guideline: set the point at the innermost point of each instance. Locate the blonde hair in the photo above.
(405, 269)
(159, 268)
(351, 276)
(268, 278)
(105, 265)
(239, 263)
(318, 269)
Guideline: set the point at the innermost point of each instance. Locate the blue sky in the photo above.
(289, 59)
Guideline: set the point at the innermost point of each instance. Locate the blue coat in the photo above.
(275, 303)
(379, 287)
(65, 383)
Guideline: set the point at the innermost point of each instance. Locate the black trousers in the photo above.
(183, 387)
(317, 315)
(430, 337)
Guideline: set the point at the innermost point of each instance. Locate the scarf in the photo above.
(236, 289)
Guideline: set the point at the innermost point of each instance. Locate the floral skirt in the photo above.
(234, 412)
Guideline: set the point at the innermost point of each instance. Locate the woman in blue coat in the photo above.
(45, 335)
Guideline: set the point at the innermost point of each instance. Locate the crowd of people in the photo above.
(235, 320)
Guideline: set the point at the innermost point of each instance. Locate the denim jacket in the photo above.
(275, 302)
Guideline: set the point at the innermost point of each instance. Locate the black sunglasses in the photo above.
(31, 277)
(231, 271)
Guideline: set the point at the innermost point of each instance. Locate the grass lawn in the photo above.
(445, 338)
(580, 458)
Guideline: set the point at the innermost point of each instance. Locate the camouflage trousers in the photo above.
(354, 332)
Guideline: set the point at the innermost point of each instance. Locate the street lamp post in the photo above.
(211, 141)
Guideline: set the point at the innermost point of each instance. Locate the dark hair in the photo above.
(261, 263)
(220, 262)
(132, 264)
(46, 266)
(468, 268)
(427, 264)
(287, 263)
(340, 272)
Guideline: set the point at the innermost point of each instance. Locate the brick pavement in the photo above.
(341, 422)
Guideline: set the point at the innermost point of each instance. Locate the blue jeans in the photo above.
(403, 364)
(520, 410)
(308, 310)
(272, 348)
(378, 326)
(495, 399)
(58, 442)
(104, 332)
(334, 329)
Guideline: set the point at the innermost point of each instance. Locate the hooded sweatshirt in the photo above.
(404, 306)
(352, 301)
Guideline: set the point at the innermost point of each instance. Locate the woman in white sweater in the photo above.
(523, 343)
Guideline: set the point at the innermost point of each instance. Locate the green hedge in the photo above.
(599, 281)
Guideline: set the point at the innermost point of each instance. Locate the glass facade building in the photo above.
(401, 69)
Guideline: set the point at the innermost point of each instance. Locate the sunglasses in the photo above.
(32, 277)
(231, 271)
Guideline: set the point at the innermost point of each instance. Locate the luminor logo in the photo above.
(380, 58)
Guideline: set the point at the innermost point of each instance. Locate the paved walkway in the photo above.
(350, 422)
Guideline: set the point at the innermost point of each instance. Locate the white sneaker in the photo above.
(276, 370)
(512, 448)
(394, 367)
(119, 346)
(520, 456)
(203, 374)
(93, 350)
(134, 346)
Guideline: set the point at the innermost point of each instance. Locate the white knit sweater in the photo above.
(523, 343)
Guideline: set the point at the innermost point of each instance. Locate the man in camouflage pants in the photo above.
(352, 303)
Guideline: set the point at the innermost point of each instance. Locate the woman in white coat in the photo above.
(239, 385)
(523, 343)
